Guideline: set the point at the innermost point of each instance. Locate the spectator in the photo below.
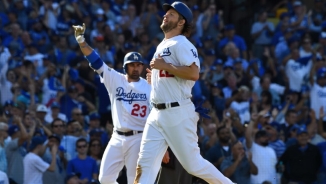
(56, 176)
(54, 113)
(15, 151)
(3, 137)
(263, 156)
(34, 166)
(83, 164)
(308, 156)
(262, 32)
(68, 142)
(73, 179)
(221, 149)
(230, 36)
(238, 166)
(95, 151)
(212, 21)
(275, 142)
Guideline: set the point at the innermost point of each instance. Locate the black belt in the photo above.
(163, 105)
(129, 133)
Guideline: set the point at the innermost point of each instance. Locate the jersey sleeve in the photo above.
(109, 76)
(40, 164)
(187, 54)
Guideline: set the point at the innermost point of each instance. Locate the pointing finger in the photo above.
(148, 70)
(84, 26)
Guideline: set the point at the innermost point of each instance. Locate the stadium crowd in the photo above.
(263, 77)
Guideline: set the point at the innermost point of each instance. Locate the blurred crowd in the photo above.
(262, 76)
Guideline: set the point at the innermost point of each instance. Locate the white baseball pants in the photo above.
(121, 151)
(174, 127)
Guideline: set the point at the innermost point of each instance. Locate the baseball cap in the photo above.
(41, 108)
(321, 73)
(20, 106)
(55, 136)
(297, 3)
(210, 52)
(218, 62)
(55, 105)
(37, 140)
(301, 130)
(195, 8)
(13, 129)
(95, 132)
(229, 27)
(9, 102)
(275, 125)
(71, 175)
(228, 65)
(94, 116)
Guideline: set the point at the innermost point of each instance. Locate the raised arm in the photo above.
(92, 57)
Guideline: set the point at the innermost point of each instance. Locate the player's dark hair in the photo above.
(187, 27)
(55, 120)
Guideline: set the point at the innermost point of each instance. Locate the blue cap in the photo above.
(195, 8)
(13, 129)
(55, 105)
(208, 38)
(9, 102)
(181, 8)
(94, 116)
(292, 40)
(210, 52)
(79, 81)
(275, 125)
(217, 85)
(229, 27)
(73, 74)
(321, 73)
(57, 137)
(218, 62)
(37, 140)
(95, 132)
(228, 65)
(301, 130)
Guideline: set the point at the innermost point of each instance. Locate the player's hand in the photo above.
(158, 63)
(79, 33)
(166, 158)
(148, 76)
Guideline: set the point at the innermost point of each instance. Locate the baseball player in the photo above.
(129, 96)
(173, 121)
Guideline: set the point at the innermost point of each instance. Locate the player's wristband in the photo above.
(94, 60)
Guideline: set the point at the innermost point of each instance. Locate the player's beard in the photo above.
(168, 26)
(134, 75)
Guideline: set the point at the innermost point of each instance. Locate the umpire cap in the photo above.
(181, 8)
(132, 57)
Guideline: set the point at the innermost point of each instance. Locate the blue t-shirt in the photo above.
(86, 167)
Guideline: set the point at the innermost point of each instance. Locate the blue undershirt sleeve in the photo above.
(94, 60)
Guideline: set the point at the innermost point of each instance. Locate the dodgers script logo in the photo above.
(166, 52)
(194, 53)
(130, 96)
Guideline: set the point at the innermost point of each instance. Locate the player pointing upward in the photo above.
(173, 121)
(129, 96)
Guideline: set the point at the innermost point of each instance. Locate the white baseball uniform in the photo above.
(317, 98)
(173, 126)
(296, 72)
(130, 108)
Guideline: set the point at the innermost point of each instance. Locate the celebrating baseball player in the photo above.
(129, 95)
(173, 121)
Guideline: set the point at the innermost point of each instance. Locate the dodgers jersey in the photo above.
(178, 51)
(129, 100)
(296, 72)
(317, 98)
